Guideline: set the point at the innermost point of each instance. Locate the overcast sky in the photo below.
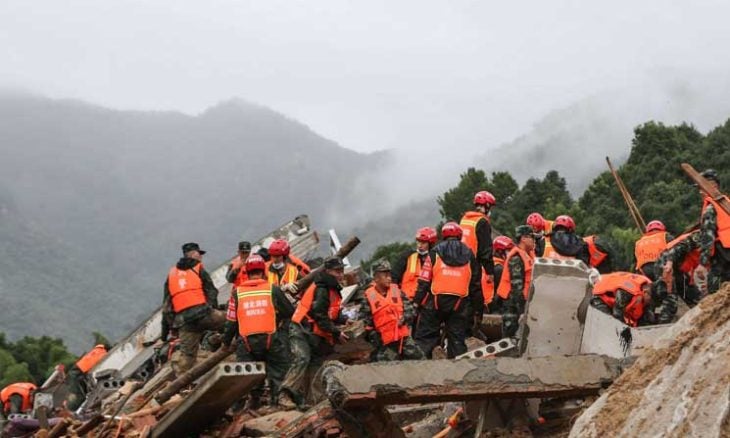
(369, 74)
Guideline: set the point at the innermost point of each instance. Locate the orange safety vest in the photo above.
(186, 288)
(90, 359)
(548, 232)
(649, 248)
(487, 284)
(468, 226)
(387, 312)
(255, 311)
(596, 255)
(691, 260)
(609, 284)
(409, 282)
(450, 280)
(505, 285)
(305, 305)
(291, 273)
(23, 389)
(303, 268)
(723, 220)
(242, 275)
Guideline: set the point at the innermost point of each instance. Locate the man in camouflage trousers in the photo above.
(714, 239)
(675, 264)
(388, 314)
(515, 281)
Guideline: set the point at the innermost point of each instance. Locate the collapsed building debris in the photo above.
(680, 386)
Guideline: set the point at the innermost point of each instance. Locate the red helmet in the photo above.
(279, 247)
(565, 221)
(255, 262)
(536, 221)
(655, 226)
(502, 243)
(484, 198)
(426, 234)
(451, 229)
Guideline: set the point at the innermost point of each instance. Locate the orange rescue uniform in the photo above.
(505, 283)
(90, 359)
(608, 286)
(649, 248)
(409, 283)
(255, 311)
(723, 220)
(186, 288)
(387, 311)
(23, 389)
(305, 306)
(596, 255)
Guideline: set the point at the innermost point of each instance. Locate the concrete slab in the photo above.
(468, 379)
(214, 394)
(560, 291)
(602, 335)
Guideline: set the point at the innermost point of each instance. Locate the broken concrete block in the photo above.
(269, 424)
(489, 350)
(214, 394)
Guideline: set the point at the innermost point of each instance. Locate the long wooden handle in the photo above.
(345, 249)
(706, 186)
(633, 209)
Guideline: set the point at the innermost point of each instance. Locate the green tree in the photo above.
(41, 355)
(459, 199)
(389, 252)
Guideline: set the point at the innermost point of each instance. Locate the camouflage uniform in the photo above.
(719, 262)
(514, 305)
(623, 298)
(682, 285)
(404, 350)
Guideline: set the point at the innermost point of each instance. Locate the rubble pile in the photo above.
(679, 387)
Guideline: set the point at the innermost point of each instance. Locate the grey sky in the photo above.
(369, 74)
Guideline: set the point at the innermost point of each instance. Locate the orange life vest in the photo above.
(505, 283)
(450, 280)
(723, 220)
(409, 282)
(607, 287)
(547, 233)
(303, 268)
(468, 226)
(387, 312)
(305, 305)
(691, 259)
(290, 275)
(23, 389)
(487, 284)
(255, 311)
(596, 255)
(90, 359)
(242, 275)
(186, 288)
(649, 248)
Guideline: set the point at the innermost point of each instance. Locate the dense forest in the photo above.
(652, 174)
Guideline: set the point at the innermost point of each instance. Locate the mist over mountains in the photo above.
(94, 202)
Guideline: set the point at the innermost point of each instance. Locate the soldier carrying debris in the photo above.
(714, 237)
(189, 306)
(256, 312)
(388, 313)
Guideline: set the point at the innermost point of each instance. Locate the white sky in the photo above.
(410, 75)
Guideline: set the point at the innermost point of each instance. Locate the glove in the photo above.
(290, 288)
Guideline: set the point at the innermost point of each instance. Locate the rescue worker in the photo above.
(477, 231)
(77, 385)
(449, 292)
(17, 398)
(501, 245)
(649, 247)
(189, 306)
(541, 229)
(408, 268)
(281, 271)
(514, 285)
(236, 269)
(600, 254)
(564, 244)
(676, 266)
(626, 296)
(388, 315)
(714, 238)
(314, 330)
(256, 312)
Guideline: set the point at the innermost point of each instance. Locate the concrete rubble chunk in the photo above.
(489, 350)
(468, 379)
(269, 425)
(213, 395)
(680, 386)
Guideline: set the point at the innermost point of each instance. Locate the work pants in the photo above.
(405, 349)
(454, 313)
(258, 348)
(190, 335)
(307, 352)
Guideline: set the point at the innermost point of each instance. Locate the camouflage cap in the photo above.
(333, 262)
(523, 230)
(710, 174)
(381, 266)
